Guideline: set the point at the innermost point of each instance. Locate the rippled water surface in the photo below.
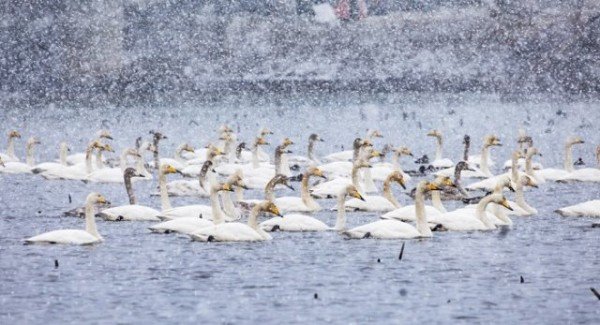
(136, 276)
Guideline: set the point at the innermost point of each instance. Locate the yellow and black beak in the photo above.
(227, 187)
(505, 204)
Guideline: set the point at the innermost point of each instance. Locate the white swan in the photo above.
(132, 211)
(468, 219)
(409, 212)
(350, 155)
(16, 167)
(113, 175)
(384, 203)
(584, 209)
(236, 231)
(380, 171)
(300, 222)
(585, 174)
(191, 224)
(310, 158)
(484, 159)
(555, 174)
(394, 229)
(51, 170)
(184, 187)
(343, 168)
(178, 162)
(439, 161)
(331, 188)
(79, 158)
(79, 171)
(304, 203)
(489, 184)
(75, 236)
(10, 149)
(520, 207)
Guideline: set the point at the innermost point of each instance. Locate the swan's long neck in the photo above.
(481, 214)
(270, 192)
(239, 194)
(485, 152)
(529, 166)
(11, 148)
(178, 157)
(466, 152)
(123, 161)
(436, 201)
(422, 226)
(129, 189)
(228, 205)
(63, 155)
(255, 162)
(90, 222)
(387, 193)
(355, 152)
(340, 222)
(88, 159)
(368, 178)
(30, 159)
(164, 195)
(252, 219)
(285, 165)
(311, 150)
(568, 163)
(278, 161)
(520, 198)
(396, 161)
(514, 169)
(500, 214)
(438, 148)
(156, 155)
(99, 162)
(217, 214)
(140, 166)
(355, 180)
(305, 194)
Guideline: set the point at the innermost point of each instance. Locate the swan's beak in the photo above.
(321, 140)
(242, 185)
(227, 187)
(290, 187)
(402, 183)
(505, 204)
(512, 189)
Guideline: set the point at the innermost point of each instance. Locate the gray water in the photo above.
(135, 276)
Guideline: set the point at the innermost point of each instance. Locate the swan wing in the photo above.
(294, 222)
(65, 236)
(130, 213)
(228, 232)
(371, 203)
(185, 225)
(193, 211)
(589, 209)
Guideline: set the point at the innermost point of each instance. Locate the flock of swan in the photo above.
(358, 180)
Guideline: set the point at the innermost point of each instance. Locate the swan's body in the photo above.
(16, 167)
(10, 155)
(439, 162)
(555, 174)
(333, 187)
(384, 203)
(584, 209)
(75, 236)
(467, 219)
(304, 203)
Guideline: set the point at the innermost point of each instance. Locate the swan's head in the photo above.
(517, 154)
(501, 200)
(467, 140)
(575, 140)
(261, 141)
(444, 181)
(315, 137)
(14, 134)
(32, 142)
(435, 134)
(64, 147)
(96, 198)
(270, 207)
(150, 147)
(131, 172)
(287, 142)
(157, 136)
(366, 143)
(264, 132)
(104, 134)
(374, 154)
(357, 143)
(397, 177)
(504, 181)
(374, 134)
(226, 136)
(361, 163)
(225, 129)
(226, 187)
(491, 140)
(532, 151)
(186, 147)
(106, 147)
(402, 150)
(132, 152)
(352, 191)
(314, 171)
(241, 146)
(281, 179)
(237, 180)
(463, 165)
(168, 169)
(528, 181)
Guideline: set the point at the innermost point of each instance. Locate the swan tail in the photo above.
(356, 235)
(204, 238)
(38, 170)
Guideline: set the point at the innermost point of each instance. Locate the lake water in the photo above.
(138, 277)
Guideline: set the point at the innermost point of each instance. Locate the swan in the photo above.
(79, 171)
(178, 162)
(193, 169)
(341, 167)
(304, 203)
(191, 224)
(133, 211)
(500, 214)
(310, 157)
(184, 187)
(584, 209)
(75, 236)
(49, 170)
(237, 181)
(380, 171)
(485, 160)
(489, 184)
(468, 219)
(10, 149)
(555, 174)
(331, 188)
(156, 138)
(394, 229)
(113, 175)
(283, 165)
(409, 212)
(79, 158)
(384, 203)
(369, 185)
(439, 161)
(269, 191)
(520, 207)
(300, 222)
(236, 231)
(351, 155)
(16, 167)
(585, 174)
(524, 142)
(255, 167)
